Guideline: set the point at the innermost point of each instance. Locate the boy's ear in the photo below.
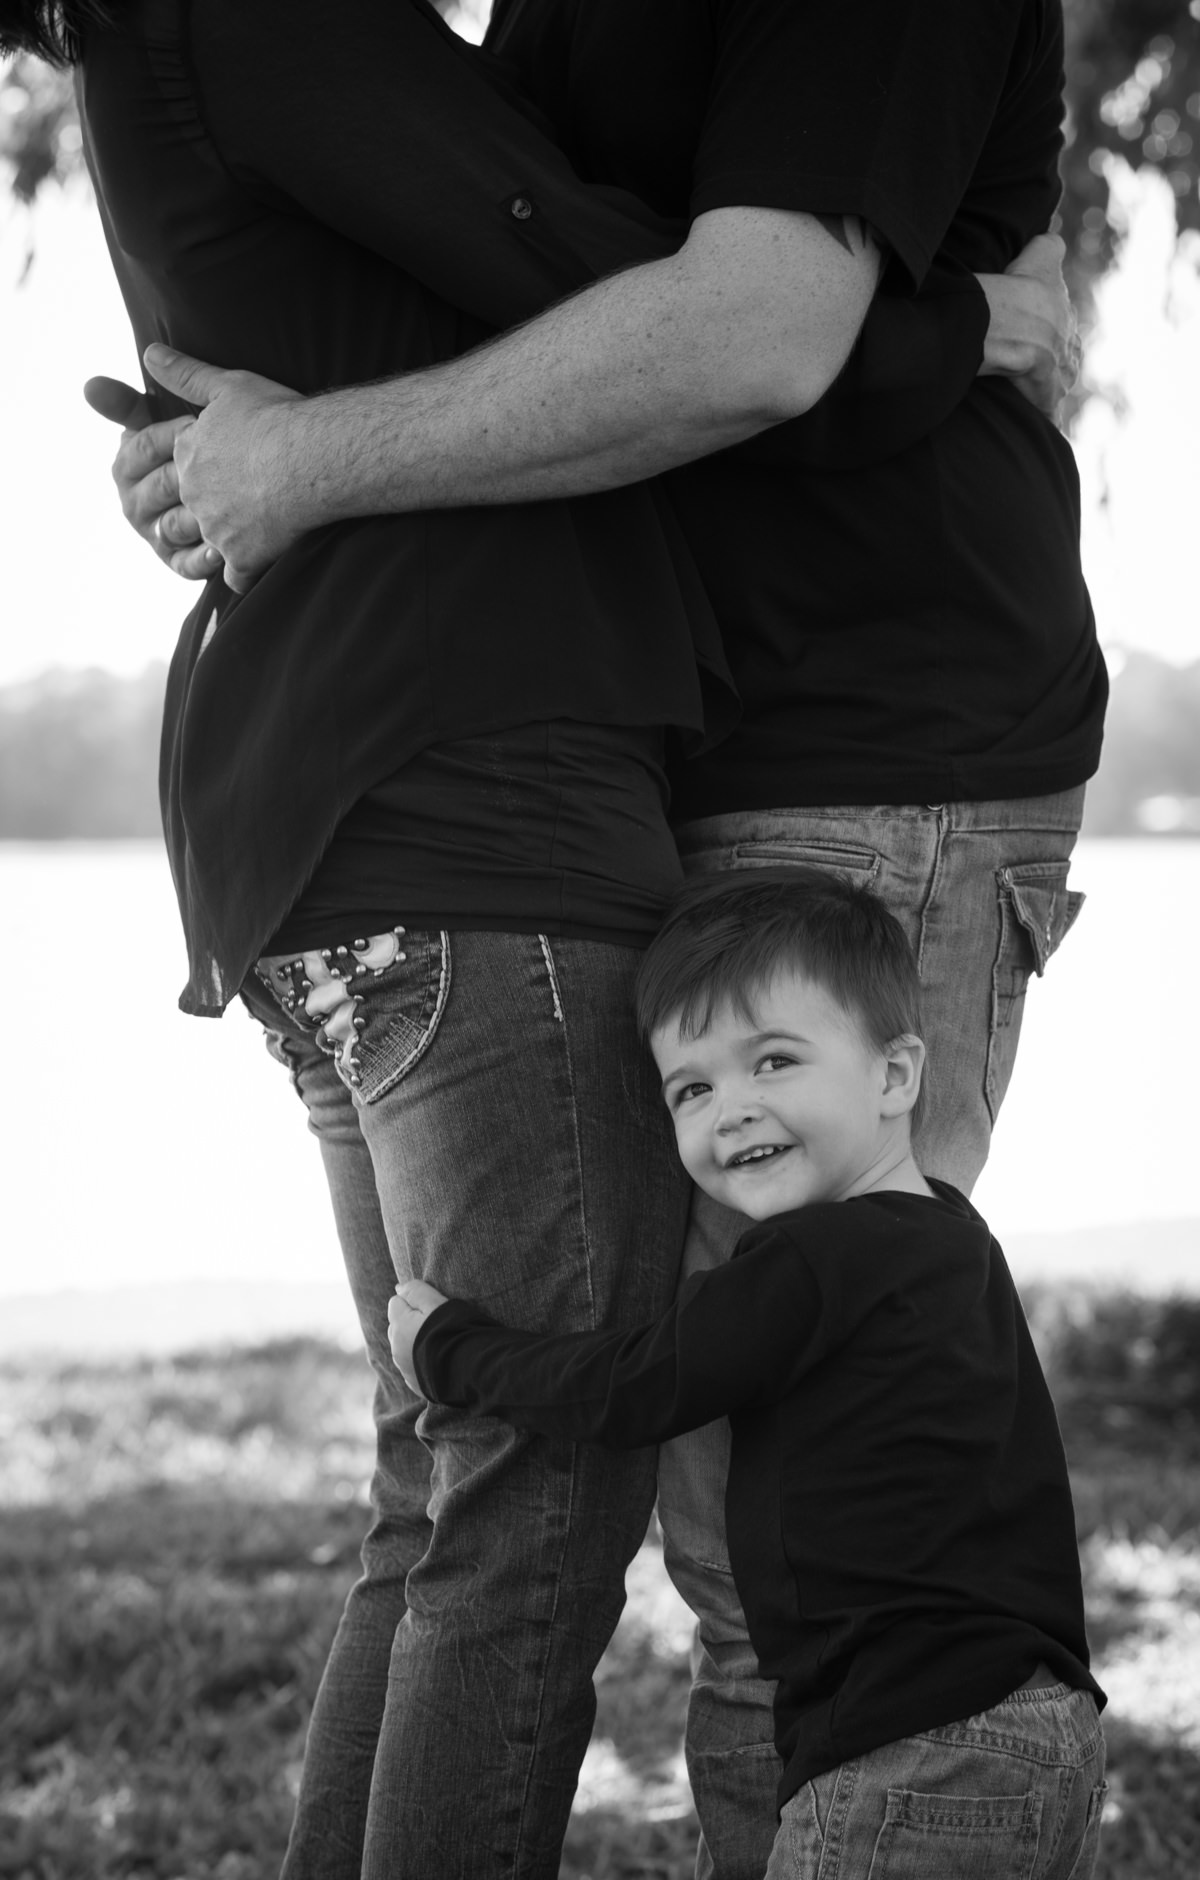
(905, 1061)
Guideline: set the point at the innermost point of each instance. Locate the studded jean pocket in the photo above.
(371, 1004)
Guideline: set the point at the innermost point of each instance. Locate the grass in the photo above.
(178, 1538)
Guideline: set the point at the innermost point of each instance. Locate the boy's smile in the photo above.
(788, 1106)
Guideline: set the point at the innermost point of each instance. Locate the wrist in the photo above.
(307, 468)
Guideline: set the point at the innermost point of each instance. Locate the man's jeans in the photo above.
(980, 890)
(488, 1123)
(1016, 1793)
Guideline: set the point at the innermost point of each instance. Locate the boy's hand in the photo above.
(408, 1308)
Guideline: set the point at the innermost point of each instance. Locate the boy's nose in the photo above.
(736, 1113)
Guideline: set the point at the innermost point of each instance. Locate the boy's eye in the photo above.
(776, 1061)
(687, 1092)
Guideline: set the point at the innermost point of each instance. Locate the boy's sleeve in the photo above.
(734, 1338)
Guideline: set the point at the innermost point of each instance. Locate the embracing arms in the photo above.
(564, 404)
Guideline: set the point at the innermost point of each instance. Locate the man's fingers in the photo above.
(239, 580)
(177, 528)
(195, 564)
(142, 452)
(148, 494)
(190, 379)
(119, 403)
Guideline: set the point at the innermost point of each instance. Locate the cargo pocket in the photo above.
(1036, 911)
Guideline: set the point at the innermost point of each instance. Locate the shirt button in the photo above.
(521, 207)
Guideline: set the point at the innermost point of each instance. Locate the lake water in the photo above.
(142, 1149)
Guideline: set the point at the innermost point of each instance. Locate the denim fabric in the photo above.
(980, 889)
(493, 1127)
(1016, 1793)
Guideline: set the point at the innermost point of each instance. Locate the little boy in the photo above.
(899, 1513)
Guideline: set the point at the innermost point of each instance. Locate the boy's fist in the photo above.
(408, 1309)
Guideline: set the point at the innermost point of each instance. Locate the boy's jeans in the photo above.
(491, 1125)
(1015, 1793)
(980, 889)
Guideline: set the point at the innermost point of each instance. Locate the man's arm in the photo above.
(1032, 339)
(746, 326)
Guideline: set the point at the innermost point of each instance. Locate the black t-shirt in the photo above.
(898, 1508)
(914, 628)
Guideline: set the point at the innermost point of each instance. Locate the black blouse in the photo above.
(255, 225)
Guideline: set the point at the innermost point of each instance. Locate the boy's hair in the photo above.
(726, 936)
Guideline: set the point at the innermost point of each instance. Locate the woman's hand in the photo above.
(147, 480)
(408, 1308)
(1033, 338)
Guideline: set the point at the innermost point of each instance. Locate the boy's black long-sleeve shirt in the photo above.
(899, 1513)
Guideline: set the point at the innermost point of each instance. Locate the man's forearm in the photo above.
(747, 326)
(644, 371)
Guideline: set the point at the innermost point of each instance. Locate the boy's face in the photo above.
(782, 1110)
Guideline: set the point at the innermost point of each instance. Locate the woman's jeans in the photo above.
(489, 1123)
(980, 890)
(1016, 1793)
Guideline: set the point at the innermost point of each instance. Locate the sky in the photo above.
(79, 589)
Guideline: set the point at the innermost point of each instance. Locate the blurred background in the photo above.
(172, 1311)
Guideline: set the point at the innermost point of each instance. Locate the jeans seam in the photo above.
(428, 1033)
(581, 1203)
(933, 882)
(552, 974)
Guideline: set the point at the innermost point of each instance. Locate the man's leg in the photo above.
(980, 890)
(521, 1158)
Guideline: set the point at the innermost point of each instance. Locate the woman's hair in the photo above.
(727, 936)
(50, 28)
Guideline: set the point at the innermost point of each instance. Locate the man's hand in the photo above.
(234, 467)
(1033, 338)
(408, 1308)
(147, 483)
